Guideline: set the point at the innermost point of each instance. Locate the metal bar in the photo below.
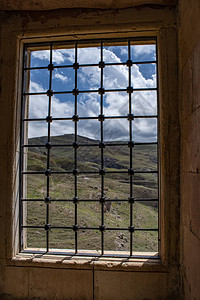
(102, 158)
(131, 149)
(158, 151)
(91, 145)
(35, 68)
(92, 200)
(48, 151)
(89, 172)
(93, 91)
(91, 118)
(92, 65)
(90, 228)
(75, 152)
(21, 165)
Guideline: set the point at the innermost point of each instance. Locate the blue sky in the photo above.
(115, 103)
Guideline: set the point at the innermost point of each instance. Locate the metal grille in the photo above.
(75, 145)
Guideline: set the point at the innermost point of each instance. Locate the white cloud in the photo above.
(58, 56)
(138, 50)
(60, 76)
(42, 55)
(109, 56)
(63, 56)
(115, 103)
(124, 51)
(92, 55)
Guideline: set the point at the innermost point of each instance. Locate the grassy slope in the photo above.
(116, 187)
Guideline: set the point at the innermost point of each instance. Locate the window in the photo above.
(89, 180)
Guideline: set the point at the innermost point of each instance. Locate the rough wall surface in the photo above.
(189, 79)
(35, 279)
(56, 4)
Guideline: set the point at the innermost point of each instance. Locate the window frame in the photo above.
(142, 39)
(169, 194)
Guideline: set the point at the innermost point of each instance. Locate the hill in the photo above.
(117, 186)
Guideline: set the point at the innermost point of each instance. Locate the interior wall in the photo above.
(189, 79)
(57, 4)
(26, 277)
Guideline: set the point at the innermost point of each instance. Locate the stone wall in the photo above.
(56, 4)
(27, 277)
(189, 80)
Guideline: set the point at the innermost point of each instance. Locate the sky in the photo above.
(115, 103)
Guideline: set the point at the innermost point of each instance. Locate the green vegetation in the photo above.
(116, 186)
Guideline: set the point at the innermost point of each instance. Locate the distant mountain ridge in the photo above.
(115, 157)
(61, 139)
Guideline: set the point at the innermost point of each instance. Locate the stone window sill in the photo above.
(152, 264)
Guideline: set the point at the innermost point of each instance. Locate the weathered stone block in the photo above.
(196, 71)
(188, 144)
(187, 89)
(129, 285)
(190, 264)
(16, 283)
(59, 284)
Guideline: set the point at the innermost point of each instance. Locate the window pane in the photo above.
(88, 131)
(144, 103)
(36, 238)
(88, 78)
(36, 186)
(115, 77)
(143, 52)
(116, 130)
(61, 186)
(89, 159)
(145, 157)
(89, 186)
(117, 186)
(116, 104)
(89, 214)
(145, 215)
(36, 158)
(88, 105)
(116, 158)
(116, 214)
(88, 55)
(145, 185)
(61, 159)
(62, 239)
(37, 106)
(145, 130)
(143, 76)
(40, 58)
(62, 106)
(117, 241)
(35, 213)
(88, 240)
(39, 81)
(145, 241)
(63, 79)
(115, 53)
(36, 131)
(62, 57)
(61, 213)
(62, 128)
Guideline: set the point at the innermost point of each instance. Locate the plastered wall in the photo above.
(189, 80)
(40, 278)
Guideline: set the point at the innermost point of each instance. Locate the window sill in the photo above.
(151, 264)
